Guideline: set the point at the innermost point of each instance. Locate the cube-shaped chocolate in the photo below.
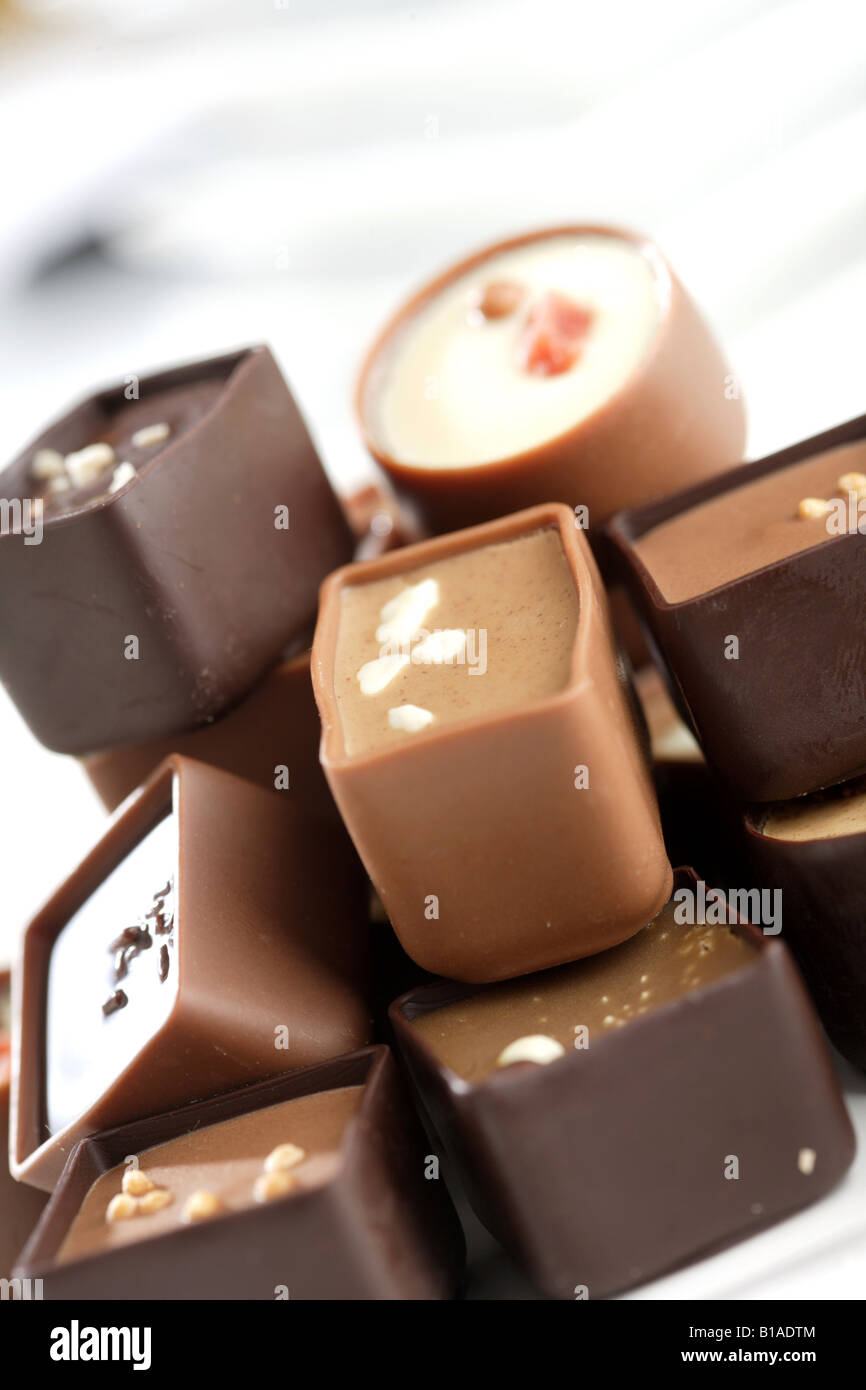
(620, 1116)
(309, 1186)
(753, 588)
(214, 936)
(481, 745)
(172, 536)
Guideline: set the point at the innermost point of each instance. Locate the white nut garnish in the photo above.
(403, 615)
(284, 1156)
(59, 484)
(87, 465)
(271, 1185)
(853, 482)
(121, 1208)
(409, 718)
(806, 1160)
(535, 1047)
(811, 508)
(439, 647)
(123, 474)
(375, 675)
(150, 434)
(201, 1206)
(47, 463)
(136, 1182)
(155, 1201)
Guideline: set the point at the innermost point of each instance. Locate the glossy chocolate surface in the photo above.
(150, 610)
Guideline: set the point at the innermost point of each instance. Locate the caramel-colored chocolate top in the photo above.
(754, 525)
(825, 815)
(664, 962)
(219, 1169)
(470, 635)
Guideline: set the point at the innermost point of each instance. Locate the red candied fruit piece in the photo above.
(555, 331)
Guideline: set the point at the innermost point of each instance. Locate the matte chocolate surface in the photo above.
(190, 556)
(655, 412)
(576, 1004)
(663, 1140)
(371, 1227)
(214, 936)
(797, 622)
(270, 737)
(813, 851)
(751, 526)
(516, 840)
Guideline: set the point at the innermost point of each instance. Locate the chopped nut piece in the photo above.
(497, 299)
(812, 508)
(121, 1207)
(87, 465)
(284, 1156)
(409, 718)
(155, 1200)
(150, 434)
(136, 1182)
(536, 1047)
(853, 482)
(59, 484)
(47, 463)
(806, 1160)
(123, 474)
(272, 1185)
(201, 1206)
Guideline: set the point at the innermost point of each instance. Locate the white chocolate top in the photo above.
(450, 388)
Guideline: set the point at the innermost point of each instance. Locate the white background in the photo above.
(242, 170)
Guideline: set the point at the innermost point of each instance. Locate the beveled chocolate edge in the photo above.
(666, 282)
(547, 515)
(424, 999)
(231, 366)
(96, 1154)
(127, 827)
(621, 531)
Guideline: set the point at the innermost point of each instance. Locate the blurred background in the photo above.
(184, 176)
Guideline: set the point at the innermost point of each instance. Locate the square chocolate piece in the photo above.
(620, 1116)
(183, 536)
(212, 937)
(309, 1186)
(480, 743)
(753, 589)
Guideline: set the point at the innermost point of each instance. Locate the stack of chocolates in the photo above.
(453, 796)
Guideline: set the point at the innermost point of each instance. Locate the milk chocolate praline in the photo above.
(255, 935)
(676, 419)
(527, 865)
